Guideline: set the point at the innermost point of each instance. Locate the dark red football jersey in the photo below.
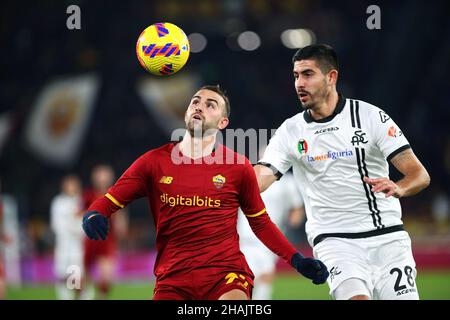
(195, 207)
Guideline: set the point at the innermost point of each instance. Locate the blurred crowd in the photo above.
(402, 68)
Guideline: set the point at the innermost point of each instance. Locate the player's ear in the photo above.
(332, 77)
(223, 123)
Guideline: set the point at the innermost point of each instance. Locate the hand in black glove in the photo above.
(310, 268)
(95, 225)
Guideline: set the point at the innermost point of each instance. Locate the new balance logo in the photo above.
(166, 180)
(166, 50)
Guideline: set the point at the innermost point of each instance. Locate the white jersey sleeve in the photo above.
(277, 153)
(388, 137)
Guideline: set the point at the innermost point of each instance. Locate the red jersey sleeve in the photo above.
(249, 197)
(131, 185)
(254, 209)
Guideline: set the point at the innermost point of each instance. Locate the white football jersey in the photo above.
(279, 199)
(66, 223)
(329, 159)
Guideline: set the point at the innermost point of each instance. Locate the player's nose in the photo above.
(299, 84)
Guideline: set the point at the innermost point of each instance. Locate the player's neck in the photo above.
(195, 147)
(326, 108)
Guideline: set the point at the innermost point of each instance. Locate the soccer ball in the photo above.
(162, 49)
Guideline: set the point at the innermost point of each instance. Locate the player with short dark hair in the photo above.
(323, 54)
(339, 151)
(194, 195)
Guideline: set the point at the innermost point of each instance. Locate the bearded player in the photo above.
(339, 150)
(194, 189)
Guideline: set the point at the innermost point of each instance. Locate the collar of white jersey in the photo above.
(339, 107)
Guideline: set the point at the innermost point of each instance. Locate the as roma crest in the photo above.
(219, 181)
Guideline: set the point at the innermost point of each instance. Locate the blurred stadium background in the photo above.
(71, 99)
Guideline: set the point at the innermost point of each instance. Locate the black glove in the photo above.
(95, 225)
(310, 268)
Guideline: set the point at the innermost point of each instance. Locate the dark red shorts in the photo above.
(2, 271)
(95, 249)
(203, 284)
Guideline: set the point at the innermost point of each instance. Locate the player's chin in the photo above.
(307, 105)
(196, 131)
(194, 125)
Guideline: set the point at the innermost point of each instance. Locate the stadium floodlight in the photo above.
(198, 42)
(249, 40)
(297, 38)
